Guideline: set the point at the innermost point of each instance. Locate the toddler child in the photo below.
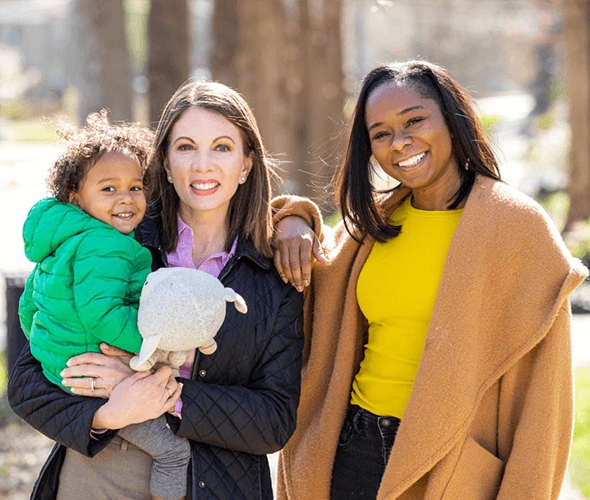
(89, 270)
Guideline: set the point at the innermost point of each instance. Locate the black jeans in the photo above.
(363, 450)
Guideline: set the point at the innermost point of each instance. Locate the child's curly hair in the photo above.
(85, 146)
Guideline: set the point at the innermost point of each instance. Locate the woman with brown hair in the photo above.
(209, 209)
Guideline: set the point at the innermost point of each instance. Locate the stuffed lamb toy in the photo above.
(180, 309)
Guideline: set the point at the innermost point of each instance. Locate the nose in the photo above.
(401, 140)
(126, 197)
(201, 161)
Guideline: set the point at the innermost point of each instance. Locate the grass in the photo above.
(580, 456)
(333, 219)
(489, 123)
(33, 130)
(6, 414)
(556, 205)
(3, 376)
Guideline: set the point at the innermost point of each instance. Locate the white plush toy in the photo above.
(180, 309)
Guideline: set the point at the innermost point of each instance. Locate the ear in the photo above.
(231, 296)
(249, 161)
(148, 347)
(73, 198)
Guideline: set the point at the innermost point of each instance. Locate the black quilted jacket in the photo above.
(239, 405)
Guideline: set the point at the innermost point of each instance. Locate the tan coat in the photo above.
(491, 411)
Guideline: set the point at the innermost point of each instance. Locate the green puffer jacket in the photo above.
(85, 287)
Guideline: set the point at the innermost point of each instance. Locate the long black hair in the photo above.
(357, 198)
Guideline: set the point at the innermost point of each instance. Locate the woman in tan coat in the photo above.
(438, 358)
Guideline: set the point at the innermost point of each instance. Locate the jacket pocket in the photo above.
(477, 475)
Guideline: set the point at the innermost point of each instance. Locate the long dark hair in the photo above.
(355, 195)
(249, 209)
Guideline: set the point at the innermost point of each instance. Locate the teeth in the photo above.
(124, 215)
(204, 187)
(410, 162)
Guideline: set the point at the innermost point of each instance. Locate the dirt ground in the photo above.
(23, 451)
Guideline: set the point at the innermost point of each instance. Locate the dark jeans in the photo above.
(363, 450)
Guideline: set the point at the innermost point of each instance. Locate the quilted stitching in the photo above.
(245, 405)
(246, 400)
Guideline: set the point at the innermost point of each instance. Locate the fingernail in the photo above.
(65, 382)
(68, 362)
(61, 374)
(306, 283)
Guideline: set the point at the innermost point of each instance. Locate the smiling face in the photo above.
(206, 162)
(112, 192)
(412, 143)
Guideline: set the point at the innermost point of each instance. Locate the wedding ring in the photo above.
(169, 392)
(92, 384)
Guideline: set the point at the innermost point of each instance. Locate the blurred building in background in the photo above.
(34, 36)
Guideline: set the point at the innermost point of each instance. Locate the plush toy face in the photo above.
(181, 309)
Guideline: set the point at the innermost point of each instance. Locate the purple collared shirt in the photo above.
(182, 257)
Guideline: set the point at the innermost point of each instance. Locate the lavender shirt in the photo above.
(182, 257)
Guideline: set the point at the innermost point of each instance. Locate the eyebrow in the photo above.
(214, 140)
(111, 179)
(401, 113)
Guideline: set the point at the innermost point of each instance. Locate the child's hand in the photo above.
(111, 350)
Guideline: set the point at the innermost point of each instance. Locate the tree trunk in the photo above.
(105, 69)
(168, 60)
(225, 43)
(576, 19)
(260, 65)
(324, 93)
(289, 68)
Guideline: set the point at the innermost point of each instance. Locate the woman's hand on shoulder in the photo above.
(95, 374)
(296, 247)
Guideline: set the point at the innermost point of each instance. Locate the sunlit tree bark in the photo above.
(225, 42)
(576, 20)
(104, 68)
(248, 54)
(168, 60)
(289, 67)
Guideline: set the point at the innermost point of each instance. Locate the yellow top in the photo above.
(396, 291)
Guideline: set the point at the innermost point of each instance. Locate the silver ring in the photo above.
(92, 384)
(169, 392)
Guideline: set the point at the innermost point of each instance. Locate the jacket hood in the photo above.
(51, 222)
